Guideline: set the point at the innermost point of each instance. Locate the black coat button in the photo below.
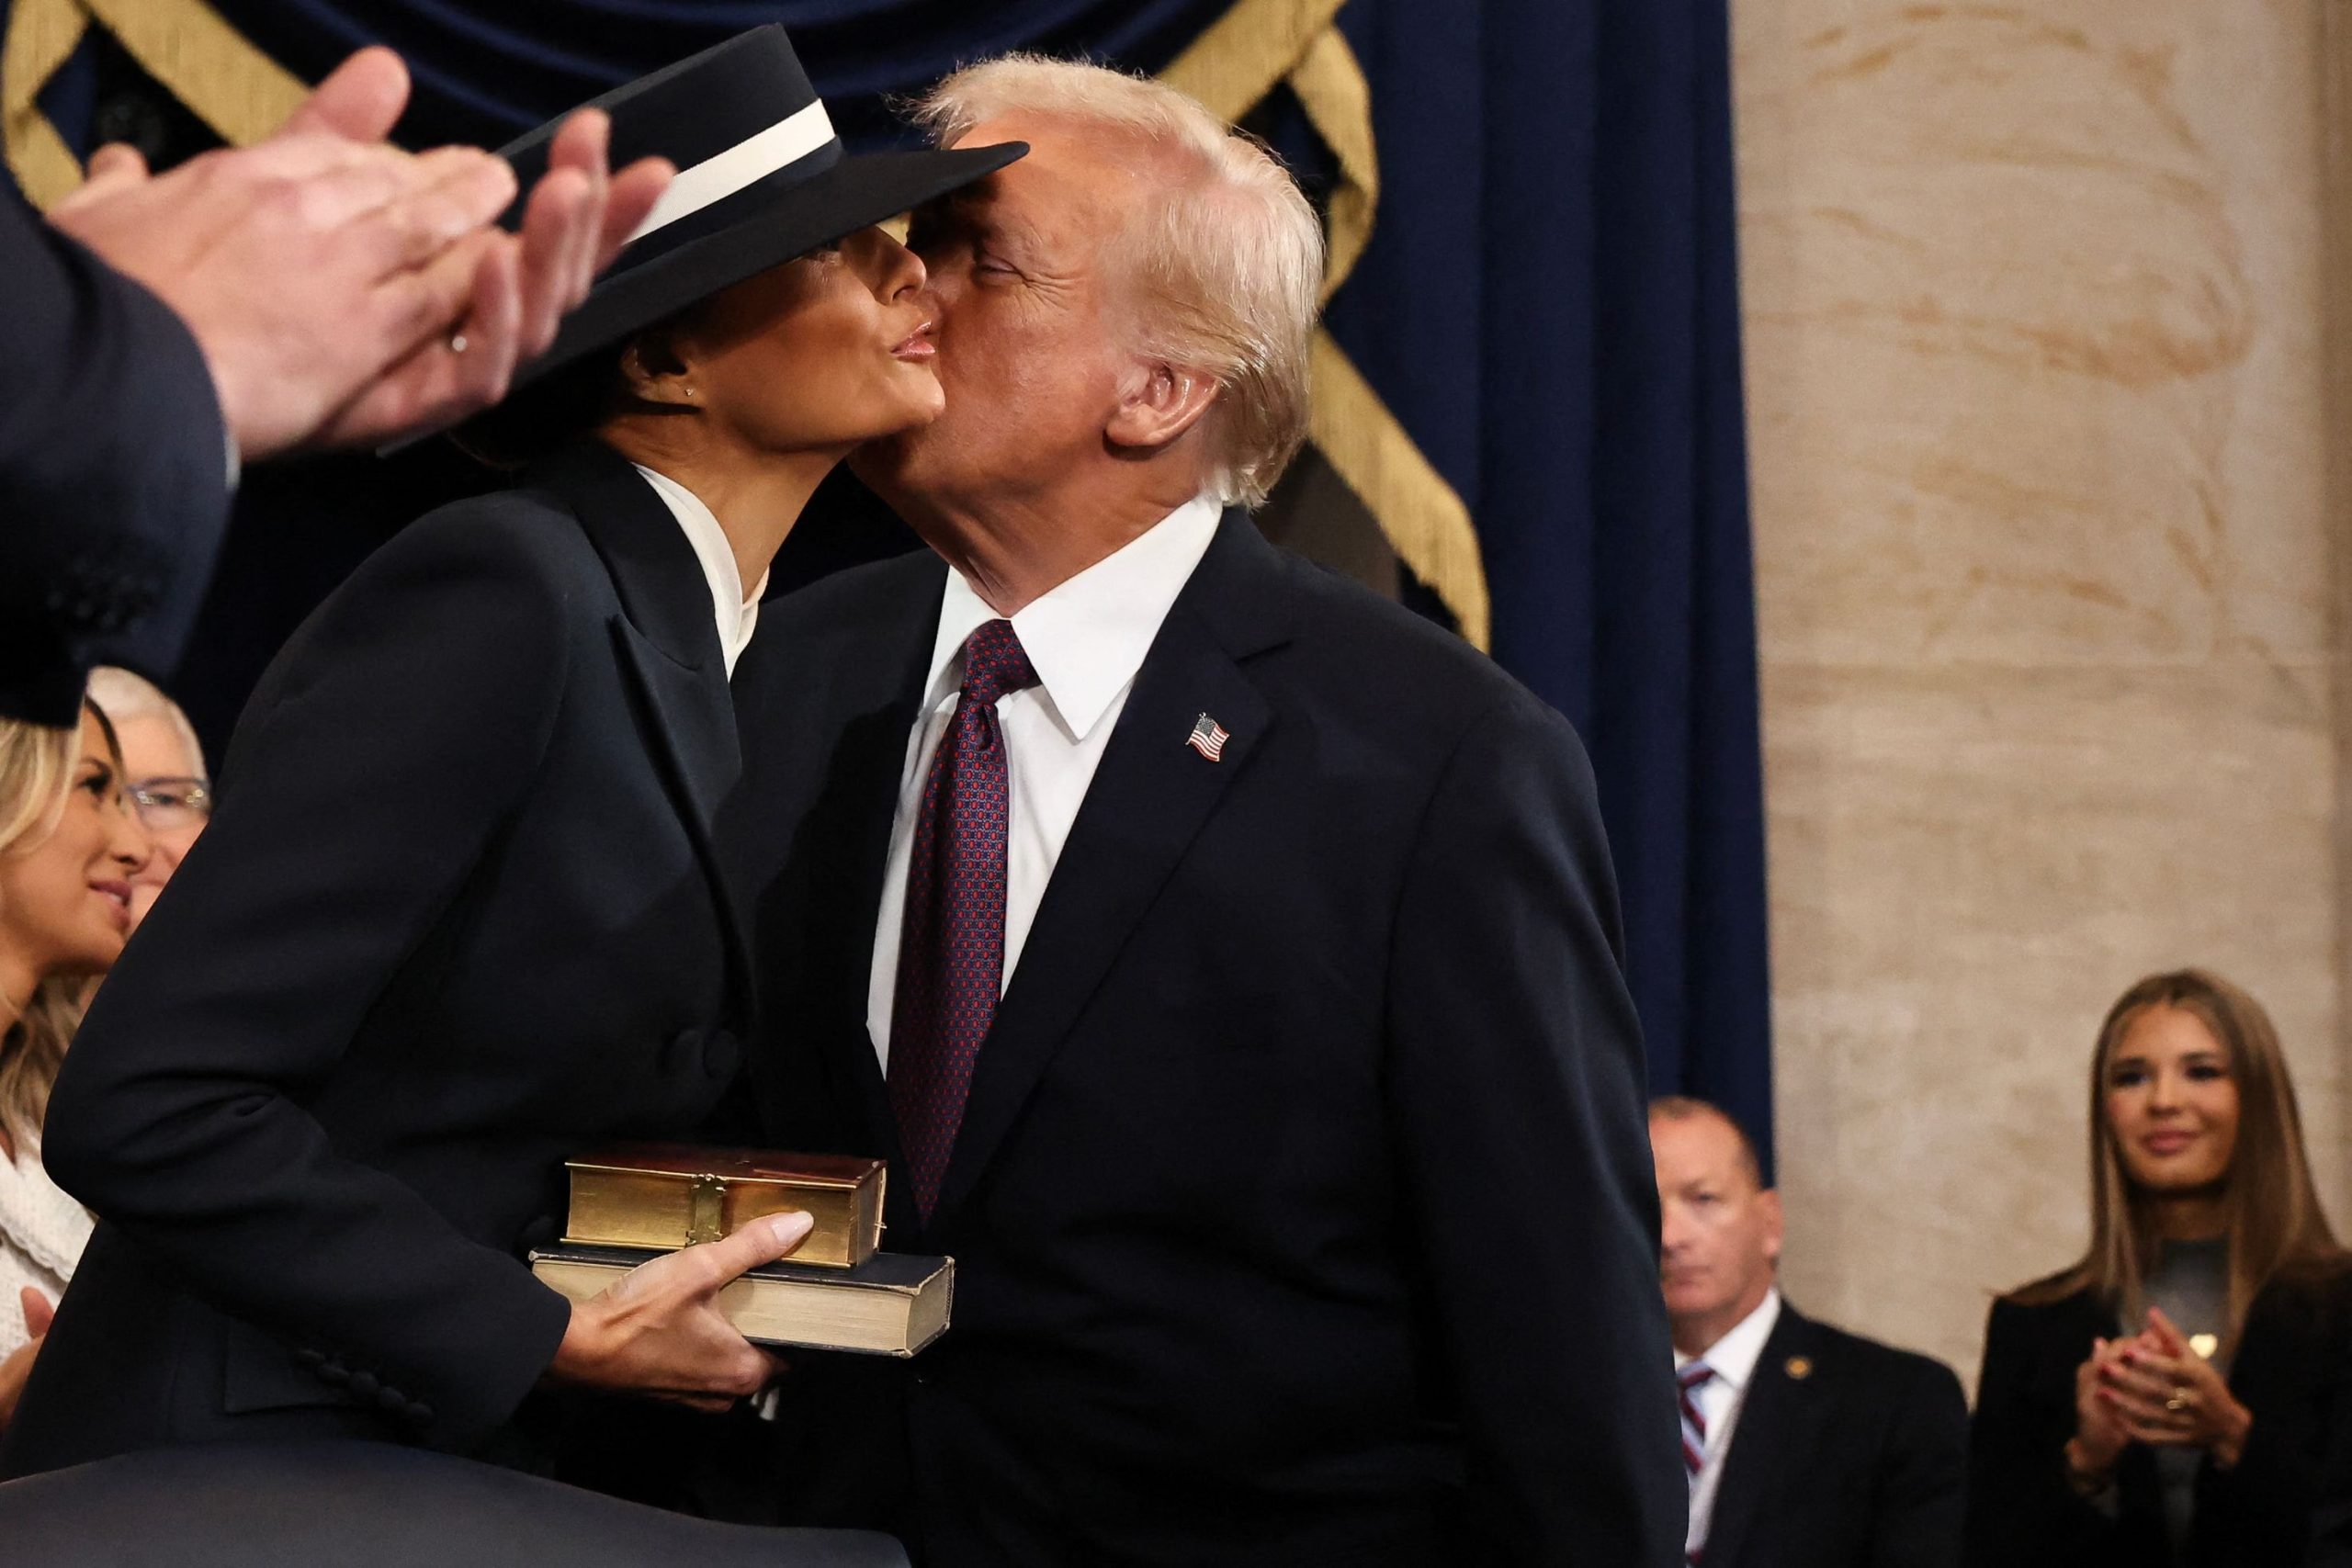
(364, 1385)
(420, 1412)
(308, 1358)
(392, 1401)
(334, 1373)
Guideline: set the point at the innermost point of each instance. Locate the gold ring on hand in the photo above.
(2181, 1399)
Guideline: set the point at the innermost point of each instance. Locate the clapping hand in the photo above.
(345, 292)
(2162, 1393)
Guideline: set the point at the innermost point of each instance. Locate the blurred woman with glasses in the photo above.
(163, 774)
(70, 847)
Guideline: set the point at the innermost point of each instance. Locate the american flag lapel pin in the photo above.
(1209, 738)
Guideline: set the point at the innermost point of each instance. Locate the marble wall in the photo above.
(2048, 598)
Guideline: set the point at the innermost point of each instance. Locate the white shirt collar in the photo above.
(735, 613)
(1088, 636)
(1732, 1357)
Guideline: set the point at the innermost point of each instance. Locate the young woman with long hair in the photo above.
(2171, 1397)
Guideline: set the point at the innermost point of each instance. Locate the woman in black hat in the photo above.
(464, 906)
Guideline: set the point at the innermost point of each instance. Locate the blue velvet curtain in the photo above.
(1547, 305)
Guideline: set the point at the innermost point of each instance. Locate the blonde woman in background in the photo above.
(163, 774)
(2172, 1398)
(70, 849)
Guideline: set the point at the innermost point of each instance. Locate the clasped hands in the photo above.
(2152, 1388)
(345, 292)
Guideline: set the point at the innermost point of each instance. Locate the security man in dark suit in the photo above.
(1805, 1447)
(1227, 959)
(300, 292)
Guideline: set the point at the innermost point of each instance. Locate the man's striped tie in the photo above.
(1691, 1379)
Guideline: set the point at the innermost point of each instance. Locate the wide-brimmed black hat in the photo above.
(761, 178)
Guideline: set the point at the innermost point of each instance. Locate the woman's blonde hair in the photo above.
(1228, 261)
(36, 776)
(2277, 1226)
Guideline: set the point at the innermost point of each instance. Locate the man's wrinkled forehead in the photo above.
(1078, 182)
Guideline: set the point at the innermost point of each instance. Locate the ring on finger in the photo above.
(2182, 1399)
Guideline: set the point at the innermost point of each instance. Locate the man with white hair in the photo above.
(1226, 959)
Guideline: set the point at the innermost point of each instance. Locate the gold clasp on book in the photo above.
(705, 1210)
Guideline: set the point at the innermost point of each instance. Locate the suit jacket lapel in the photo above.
(856, 812)
(668, 643)
(1777, 1418)
(827, 704)
(1149, 798)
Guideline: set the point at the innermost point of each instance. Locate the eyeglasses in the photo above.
(171, 803)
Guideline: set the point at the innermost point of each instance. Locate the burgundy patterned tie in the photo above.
(951, 949)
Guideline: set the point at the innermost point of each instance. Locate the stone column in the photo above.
(2035, 378)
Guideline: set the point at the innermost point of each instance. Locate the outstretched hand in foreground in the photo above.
(345, 292)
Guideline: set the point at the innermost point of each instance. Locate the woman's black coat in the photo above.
(2291, 1370)
(460, 915)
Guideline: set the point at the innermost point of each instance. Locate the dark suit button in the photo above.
(85, 610)
(334, 1373)
(420, 1412)
(308, 1358)
(683, 1054)
(364, 1385)
(392, 1401)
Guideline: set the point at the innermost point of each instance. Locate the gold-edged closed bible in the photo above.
(892, 1305)
(661, 1197)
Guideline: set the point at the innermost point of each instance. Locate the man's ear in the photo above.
(659, 371)
(1774, 1223)
(1158, 404)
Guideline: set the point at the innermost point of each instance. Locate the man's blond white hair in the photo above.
(1226, 263)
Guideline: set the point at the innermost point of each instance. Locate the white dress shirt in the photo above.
(736, 613)
(1733, 1360)
(1086, 639)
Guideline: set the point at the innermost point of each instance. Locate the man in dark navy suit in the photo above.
(1805, 1447)
(1226, 959)
(319, 288)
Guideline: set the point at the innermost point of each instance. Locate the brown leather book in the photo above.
(661, 1197)
(892, 1305)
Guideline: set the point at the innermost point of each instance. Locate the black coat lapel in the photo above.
(667, 642)
(1149, 798)
(1780, 1417)
(827, 702)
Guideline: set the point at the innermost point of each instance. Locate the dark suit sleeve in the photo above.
(2288, 1485)
(399, 732)
(114, 472)
(2022, 1513)
(1516, 1078)
(1920, 1497)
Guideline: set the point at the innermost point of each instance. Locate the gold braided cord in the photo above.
(42, 34)
(1332, 88)
(233, 88)
(1235, 63)
(1231, 68)
(1425, 521)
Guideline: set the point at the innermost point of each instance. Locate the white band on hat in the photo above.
(754, 158)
